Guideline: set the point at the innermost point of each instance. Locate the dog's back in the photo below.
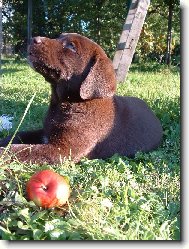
(136, 128)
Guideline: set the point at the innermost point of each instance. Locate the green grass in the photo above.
(114, 199)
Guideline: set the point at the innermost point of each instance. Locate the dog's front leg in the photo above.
(39, 154)
(24, 137)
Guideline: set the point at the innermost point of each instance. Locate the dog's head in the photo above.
(75, 66)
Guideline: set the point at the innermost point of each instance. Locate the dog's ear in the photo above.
(100, 81)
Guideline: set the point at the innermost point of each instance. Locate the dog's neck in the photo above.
(62, 92)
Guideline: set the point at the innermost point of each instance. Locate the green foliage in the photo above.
(114, 199)
(100, 20)
(153, 38)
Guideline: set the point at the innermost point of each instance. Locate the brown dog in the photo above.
(85, 118)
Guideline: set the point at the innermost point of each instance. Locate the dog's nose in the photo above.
(36, 40)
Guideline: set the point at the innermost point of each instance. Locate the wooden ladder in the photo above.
(129, 38)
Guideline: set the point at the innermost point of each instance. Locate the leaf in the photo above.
(5, 234)
(37, 234)
(146, 206)
(38, 215)
(22, 226)
(131, 192)
(49, 226)
(164, 229)
(74, 236)
(2, 177)
(19, 198)
(67, 179)
(25, 213)
(55, 234)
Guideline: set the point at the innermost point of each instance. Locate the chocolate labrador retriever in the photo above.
(85, 118)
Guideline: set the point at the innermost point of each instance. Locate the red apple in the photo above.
(48, 189)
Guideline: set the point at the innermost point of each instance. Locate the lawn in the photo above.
(114, 199)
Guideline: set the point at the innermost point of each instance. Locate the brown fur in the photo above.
(85, 117)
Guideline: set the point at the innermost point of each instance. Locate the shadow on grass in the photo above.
(11, 65)
(6, 71)
(148, 67)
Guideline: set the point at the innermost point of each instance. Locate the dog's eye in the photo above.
(71, 46)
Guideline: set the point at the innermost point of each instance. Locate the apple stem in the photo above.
(44, 187)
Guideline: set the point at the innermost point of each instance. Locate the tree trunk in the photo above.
(29, 36)
(169, 33)
(129, 38)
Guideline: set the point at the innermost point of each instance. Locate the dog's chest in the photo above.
(70, 110)
(68, 116)
(81, 119)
